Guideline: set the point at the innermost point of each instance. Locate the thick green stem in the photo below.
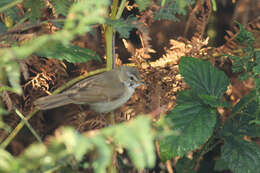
(110, 34)
(109, 47)
(120, 9)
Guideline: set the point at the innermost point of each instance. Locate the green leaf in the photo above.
(34, 9)
(213, 101)
(35, 151)
(3, 111)
(3, 28)
(244, 35)
(5, 2)
(70, 53)
(143, 4)
(75, 143)
(171, 9)
(123, 26)
(61, 6)
(240, 126)
(242, 104)
(241, 156)
(82, 14)
(221, 165)
(13, 73)
(187, 96)
(247, 110)
(184, 165)
(193, 124)
(137, 138)
(6, 161)
(202, 77)
(256, 69)
(104, 152)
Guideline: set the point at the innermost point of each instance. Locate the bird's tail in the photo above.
(53, 101)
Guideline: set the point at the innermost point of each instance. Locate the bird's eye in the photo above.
(131, 78)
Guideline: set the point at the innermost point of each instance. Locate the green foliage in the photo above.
(194, 118)
(82, 14)
(70, 53)
(3, 28)
(170, 9)
(184, 165)
(143, 4)
(192, 124)
(246, 110)
(248, 64)
(193, 121)
(70, 147)
(244, 36)
(241, 156)
(123, 26)
(62, 6)
(202, 77)
(34, 9)
(78, 24)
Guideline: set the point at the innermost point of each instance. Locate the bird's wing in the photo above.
(96, 89)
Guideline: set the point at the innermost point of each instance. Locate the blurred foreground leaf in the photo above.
(69, 145)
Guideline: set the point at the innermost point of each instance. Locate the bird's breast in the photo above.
(111, 105)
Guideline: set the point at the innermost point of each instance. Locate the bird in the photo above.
(103, 92)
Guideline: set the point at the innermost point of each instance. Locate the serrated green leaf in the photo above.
(123, 26)
(256, 69)
(244, 76)
(184, 165)
(187, 96)
(34, 9)
(143, 4)
(213, 101)
(35, 151)
(104, 152)
(242, 104)
(6, 161)
(84, 14)
(240, 126)
(193, 124)
(3, 28)
(244, 35)
(241, 156)
(247, 110)
(221, 165)
(3, 112)
(62, 6)
(171, 9)
(70, 53)
(5, 2)
(137, 138)
(257, 57)
(75, 143)
(13, 73)
(202, 77)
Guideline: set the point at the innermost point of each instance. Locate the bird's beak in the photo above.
(142, 83)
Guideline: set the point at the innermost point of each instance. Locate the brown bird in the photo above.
(104, 92)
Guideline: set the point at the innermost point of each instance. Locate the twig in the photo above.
(28, 125)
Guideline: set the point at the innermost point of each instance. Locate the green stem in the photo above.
(120, 9)
(114, 9)
(109, 37)
(10, 5)
(28, 125)
(109, 46)
(16, 130)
